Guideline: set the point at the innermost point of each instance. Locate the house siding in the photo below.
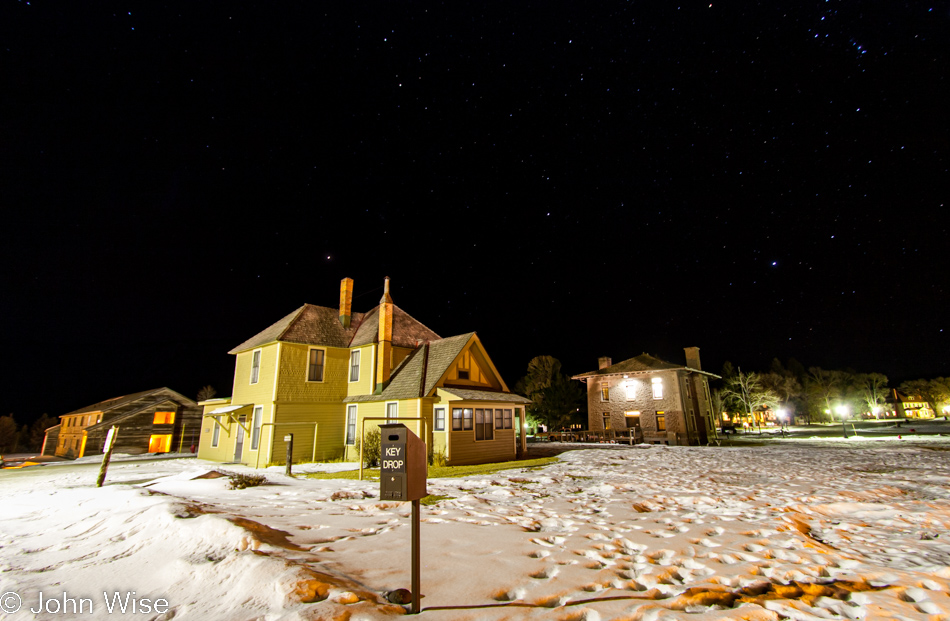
(464, 449)
(225, 449)
(263, 391)
(299, 419)
(367, 369)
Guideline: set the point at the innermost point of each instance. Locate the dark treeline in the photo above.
(25, 438)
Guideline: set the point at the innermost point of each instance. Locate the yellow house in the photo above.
(326, 375)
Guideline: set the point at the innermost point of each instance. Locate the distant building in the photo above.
(320, 372)
(661, 402)
(153, 421)
(910, 406)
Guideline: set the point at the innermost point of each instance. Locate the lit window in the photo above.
(440, 419)
(657, 387)
(163, 418)
(606, 421)
(355, 366)
(631, 388)
(351, 424)
(159, 443)
(605, 392)
(461, 419)
(661, 421)
(255, 366)
(483, 424)
(392, 412)
(256, 429)
(315, 365)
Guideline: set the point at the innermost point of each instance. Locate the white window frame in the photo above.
(631, 389)
(306, 368)
(435, 415)
(605, 392)
(359, 357)
(256, 356)
(352, 416)
(257, 419)
(392, 419)
(216, 431)
(657, 384)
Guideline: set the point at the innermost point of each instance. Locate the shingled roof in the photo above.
(418, 374)
(117, 402)
(320, 325)
(640, 364)
(469, 394)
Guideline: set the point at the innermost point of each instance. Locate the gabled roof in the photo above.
(117, 402)
(643, 363)
(407, 331)
(471, 394)
(320, 325)
(417, 375)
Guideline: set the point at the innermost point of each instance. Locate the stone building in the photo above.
(658, 401)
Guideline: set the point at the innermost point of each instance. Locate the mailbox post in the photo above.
(402, 477)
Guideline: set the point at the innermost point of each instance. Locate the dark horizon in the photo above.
(757, 181)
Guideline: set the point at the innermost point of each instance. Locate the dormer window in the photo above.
(657, 387)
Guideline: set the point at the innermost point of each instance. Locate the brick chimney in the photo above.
(603, 362)
(384, 365)
(346, 301)
(692, 358)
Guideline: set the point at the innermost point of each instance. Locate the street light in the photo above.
(842, 411)
(782, 414)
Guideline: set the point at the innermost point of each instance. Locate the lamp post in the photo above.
(782, 414)
(842, 411)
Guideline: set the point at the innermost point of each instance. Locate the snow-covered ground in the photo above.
(803, 530)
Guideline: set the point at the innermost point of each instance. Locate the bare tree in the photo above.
(874, 386)
(207, 392)
(783, 385)
(823, 388)
(748, 391)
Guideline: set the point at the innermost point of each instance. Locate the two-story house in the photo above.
(658, 401)
(152, 421)
(910, 405)
(319, 372)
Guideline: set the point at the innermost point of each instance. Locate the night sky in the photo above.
(566, 178)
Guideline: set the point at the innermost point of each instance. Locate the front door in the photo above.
(239, 439)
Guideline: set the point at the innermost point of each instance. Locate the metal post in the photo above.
(290, 455)
(415, 557)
